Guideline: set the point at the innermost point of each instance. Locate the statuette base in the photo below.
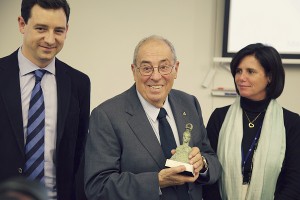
(189, 169)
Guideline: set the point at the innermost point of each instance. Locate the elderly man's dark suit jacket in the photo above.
(73, 99)
(123, 155)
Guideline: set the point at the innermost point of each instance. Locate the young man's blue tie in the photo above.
(34, 148)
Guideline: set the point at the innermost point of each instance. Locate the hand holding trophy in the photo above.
(181, 157)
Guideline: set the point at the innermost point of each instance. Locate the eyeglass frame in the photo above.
(172, 66)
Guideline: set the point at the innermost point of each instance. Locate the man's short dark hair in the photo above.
(46, 4)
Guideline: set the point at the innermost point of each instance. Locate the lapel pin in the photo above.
(184, 114)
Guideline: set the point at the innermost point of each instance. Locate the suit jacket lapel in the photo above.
(141, 127)
(11, 95)
(63, 82)
(179, 113)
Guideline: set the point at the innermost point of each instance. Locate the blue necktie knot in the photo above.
(39, 74)
(162, 113)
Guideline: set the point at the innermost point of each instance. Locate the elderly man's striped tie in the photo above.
(34, 148)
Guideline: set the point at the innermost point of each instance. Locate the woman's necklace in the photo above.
(251, 125)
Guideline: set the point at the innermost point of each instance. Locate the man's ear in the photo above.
(132, 67)
(22, 24)
(176, 69)
(67, 28)
(133, 71)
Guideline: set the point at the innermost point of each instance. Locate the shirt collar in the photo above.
(151, 110)
(26, 66)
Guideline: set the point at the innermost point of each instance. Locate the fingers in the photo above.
(170, 176)
(175, 170)
(196, 159)
(195, 155)
(173, 151)
(194, 152)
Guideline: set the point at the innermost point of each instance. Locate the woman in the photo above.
(257, 141)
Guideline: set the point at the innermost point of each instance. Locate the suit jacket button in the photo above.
(20, 170)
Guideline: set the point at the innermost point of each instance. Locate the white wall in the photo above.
(103, 34)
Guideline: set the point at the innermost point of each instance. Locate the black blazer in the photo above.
(73, 99)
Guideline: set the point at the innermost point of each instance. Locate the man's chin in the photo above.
(46, 58)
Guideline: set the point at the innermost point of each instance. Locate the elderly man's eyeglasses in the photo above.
(147, 70)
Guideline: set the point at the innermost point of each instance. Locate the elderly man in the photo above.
(132, 135)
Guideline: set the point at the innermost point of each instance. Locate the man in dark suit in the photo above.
(66, 93)
(124, 157)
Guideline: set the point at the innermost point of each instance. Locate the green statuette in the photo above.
(182, 151)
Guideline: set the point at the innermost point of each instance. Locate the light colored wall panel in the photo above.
(103, 34)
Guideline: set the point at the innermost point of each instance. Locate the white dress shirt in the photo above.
(152, 113)
(48, 84)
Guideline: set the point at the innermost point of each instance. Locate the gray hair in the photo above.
(154, 37)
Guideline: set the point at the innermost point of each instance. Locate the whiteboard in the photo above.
(271, 22)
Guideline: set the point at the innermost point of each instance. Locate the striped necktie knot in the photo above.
(39, 74)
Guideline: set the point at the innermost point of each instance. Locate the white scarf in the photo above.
(267, 159)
